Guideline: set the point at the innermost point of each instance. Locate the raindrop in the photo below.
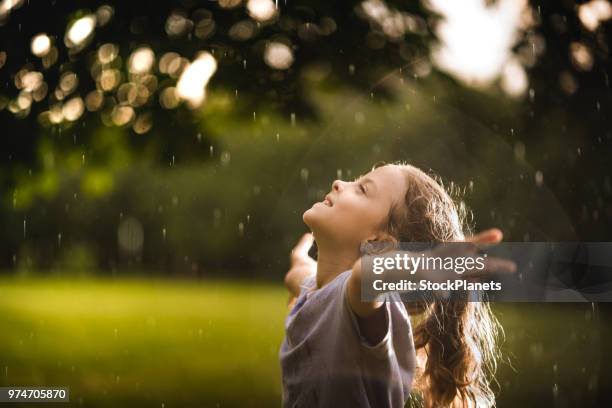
(211, 150)
(117, 379)
(24, 228)
(304, 175)
(531, 94)
(277, 137)
(244, 63)
(14, 260)
(555, 391)
(292, 118)
(59, 239)
(225, 158)
(519, 151)
(199, 137)
(339, 173)
(173, 160)
(254, 116)
(539, 178)
(116, 332)
(164, 233)
(83, 159)
(241, 229)
(248, 218)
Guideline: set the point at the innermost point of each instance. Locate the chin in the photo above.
(307, 217)
(312, 219)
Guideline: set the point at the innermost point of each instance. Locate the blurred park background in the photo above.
(157, 158)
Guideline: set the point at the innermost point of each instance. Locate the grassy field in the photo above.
(164, 343)
(153, 342)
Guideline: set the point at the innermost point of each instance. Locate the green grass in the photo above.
(153, 342)
(137, 342)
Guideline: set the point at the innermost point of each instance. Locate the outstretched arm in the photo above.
(490, 236)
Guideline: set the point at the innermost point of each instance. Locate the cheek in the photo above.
(357, 218)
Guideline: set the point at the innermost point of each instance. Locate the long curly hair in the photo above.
(457, 338)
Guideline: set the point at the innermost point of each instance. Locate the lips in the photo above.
(327, 201)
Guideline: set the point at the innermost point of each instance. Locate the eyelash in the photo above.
(362, 188)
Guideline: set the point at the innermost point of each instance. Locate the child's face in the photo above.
(357, 210)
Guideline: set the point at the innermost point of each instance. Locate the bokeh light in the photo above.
(593, 13)
(261, 10)
(41, 45)
(73, 109)
(192, 84)
(278, 55)
(80, 32)
(141, 61)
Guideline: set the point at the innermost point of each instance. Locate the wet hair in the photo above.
(458, 337)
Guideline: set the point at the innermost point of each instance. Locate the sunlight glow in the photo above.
(192, 84)
(477, 39)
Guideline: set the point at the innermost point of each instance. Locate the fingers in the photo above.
(303, 246)
(490, 236)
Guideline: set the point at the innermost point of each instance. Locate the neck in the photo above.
(333, 261)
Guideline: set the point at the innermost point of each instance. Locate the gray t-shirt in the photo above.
(326, 362)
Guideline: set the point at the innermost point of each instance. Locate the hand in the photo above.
(302, 265)
(428, 267)
(471, 246)
(299, 254)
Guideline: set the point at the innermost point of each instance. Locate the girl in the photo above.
(339, 351)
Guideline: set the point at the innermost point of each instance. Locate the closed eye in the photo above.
(361, 186)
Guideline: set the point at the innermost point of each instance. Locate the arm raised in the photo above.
(302, 265)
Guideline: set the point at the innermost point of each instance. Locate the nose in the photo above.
(337, 185)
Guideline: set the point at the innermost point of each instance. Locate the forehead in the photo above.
(390, 181)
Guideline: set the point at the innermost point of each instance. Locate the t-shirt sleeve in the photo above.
(383, 348)
(308, 283)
